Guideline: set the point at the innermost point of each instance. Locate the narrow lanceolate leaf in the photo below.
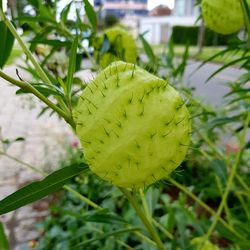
(90, 12)
(39, 189)
(148, 49)
(107, 235)
(4, 244)
(72, 65)
(6, 43)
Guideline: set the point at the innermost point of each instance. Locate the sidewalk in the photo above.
(46, 140)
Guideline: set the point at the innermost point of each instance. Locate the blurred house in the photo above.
(160, 10)
(159, 28)
(122, 8)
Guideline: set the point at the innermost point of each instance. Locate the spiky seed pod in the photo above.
(206, 244)
(122, 47)
(133, 126)
(223, 16)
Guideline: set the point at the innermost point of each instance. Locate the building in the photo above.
(158, 29)
(186, 8)
(122, 8)
(160, 10)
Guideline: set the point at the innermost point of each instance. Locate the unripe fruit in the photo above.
(223, 16)
(206, 244)
(122, 47)
(133, 126)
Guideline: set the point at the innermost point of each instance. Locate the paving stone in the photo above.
(45, 145)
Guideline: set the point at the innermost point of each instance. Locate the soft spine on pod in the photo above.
(133, 126)
(223, 16)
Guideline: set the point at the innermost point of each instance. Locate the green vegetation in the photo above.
(203, 204)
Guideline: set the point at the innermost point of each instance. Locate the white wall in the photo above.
(153, 26)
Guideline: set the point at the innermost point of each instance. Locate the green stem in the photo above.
(69, 189)
(28, 87)
(221, 156)
(83, 198)
(12, 29)
(242, 183)
(246, 17)
(66, 187)
(205, 206)
(143, 218)
(230, 179)
(157, 224)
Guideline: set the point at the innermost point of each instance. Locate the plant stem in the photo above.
(158, 225)
(246, 16)
(83, 198)
(143, 218)
(12, 29)
(230, 179)
(28, 87)
(66, 187)
(205, 206)
(71, 190)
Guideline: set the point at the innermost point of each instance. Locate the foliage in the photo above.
(182, 34)
(205, 203)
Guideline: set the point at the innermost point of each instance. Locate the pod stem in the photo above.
(132, 199)
(246, 13)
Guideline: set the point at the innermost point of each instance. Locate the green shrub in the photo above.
(184, 34)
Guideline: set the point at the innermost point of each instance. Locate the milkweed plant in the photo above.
(136, 125)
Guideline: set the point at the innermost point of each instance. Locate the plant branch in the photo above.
(143, 218)
(12, 29)
(244, 6)
(71, 190)
(157, 224)
(230, 179)
(205, 206)
(28, 87)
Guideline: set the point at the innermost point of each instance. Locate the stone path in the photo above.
(46, 142)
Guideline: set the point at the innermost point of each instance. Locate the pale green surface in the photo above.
(15, 53)
(123, 43)
(203, 244)
(133, 126)
(223, 16)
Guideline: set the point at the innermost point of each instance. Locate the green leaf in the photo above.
(6, 43)
(222, 121)
(65, 12)
(4, 244)
(90, 12)
(148, 49)
(39, 189)
(35, 19)
(72, 65)
(245, 58)
(55, 43)
(220, 169)
(181, 68)
(106, 235)
(105, 45)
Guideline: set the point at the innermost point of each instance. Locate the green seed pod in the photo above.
(223, 16)
(121, 46)
(206, 245)
(133, 126)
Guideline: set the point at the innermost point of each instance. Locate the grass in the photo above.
(205, 54)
